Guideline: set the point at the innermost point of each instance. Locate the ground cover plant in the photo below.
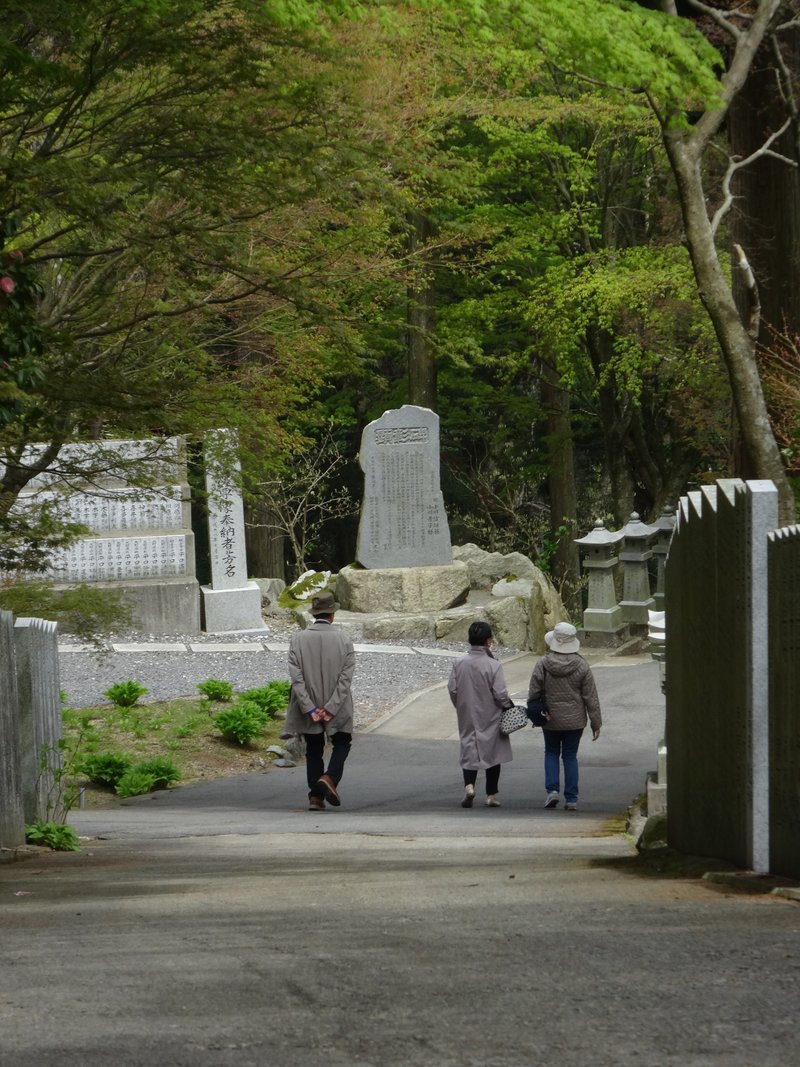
(216, 689)
(131, 750)
(55, 835)
(125, 694)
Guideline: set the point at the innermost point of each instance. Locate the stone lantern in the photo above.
(664, 524)
(603, 614)
(635, 556)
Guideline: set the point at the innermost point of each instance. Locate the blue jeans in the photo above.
(562, 744)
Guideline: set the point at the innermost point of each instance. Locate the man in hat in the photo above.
(565, 680)
(321, 665)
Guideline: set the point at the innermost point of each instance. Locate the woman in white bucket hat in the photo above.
(565, 680)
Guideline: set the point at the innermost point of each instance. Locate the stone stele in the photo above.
(232, 602)
(403, 521)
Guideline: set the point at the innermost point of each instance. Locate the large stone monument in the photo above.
(403, 537)
(231, 603)
(403, 521)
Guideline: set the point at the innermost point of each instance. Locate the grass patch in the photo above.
(182, 730)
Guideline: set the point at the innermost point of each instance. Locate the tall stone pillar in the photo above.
(232, 603)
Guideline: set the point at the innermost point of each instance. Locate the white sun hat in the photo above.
(563, 638)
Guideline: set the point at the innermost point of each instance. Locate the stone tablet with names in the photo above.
(232, 602)
(403, 521)
(104, 559)
(225, 520)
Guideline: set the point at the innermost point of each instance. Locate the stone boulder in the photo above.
(515, 587)
(654, 834)
(454, 625)
(508, 618)
(405, 590)
(511, 576)
(419, 626)
(271, 589)
(486, 568)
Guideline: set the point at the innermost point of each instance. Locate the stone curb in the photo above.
(750, 882)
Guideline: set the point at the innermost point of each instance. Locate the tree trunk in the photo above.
(614, 424)
(765, 219)
(738, 350)
(420, 318)
(565, 563)
(265, 546)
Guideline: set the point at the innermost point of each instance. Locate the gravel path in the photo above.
(382, 679)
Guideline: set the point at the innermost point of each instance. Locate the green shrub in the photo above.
(55, 835)
(135, 782)
(125, 694)
(147, 775)
(240, 722)
(214, 689)
(162, 769)
(271, 698)
(105, 767)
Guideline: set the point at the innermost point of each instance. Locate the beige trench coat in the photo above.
(477, 688)
(321, 666)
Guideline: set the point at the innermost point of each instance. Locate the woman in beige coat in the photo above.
(566, 681)
(478, 691)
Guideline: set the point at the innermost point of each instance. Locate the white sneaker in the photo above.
(492, 802)
(552, 800)
(469, 796)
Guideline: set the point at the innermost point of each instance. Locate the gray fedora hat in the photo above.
(324, 604)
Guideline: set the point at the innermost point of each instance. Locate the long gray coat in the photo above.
(569, 690)
(478, 691)
(321, 665)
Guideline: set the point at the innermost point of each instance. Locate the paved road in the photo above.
(223, 924)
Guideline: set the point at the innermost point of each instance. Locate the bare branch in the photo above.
(747, 44)
(306, 496)
(737, 164)
(720, 17)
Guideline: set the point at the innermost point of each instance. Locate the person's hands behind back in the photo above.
(320, 715)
